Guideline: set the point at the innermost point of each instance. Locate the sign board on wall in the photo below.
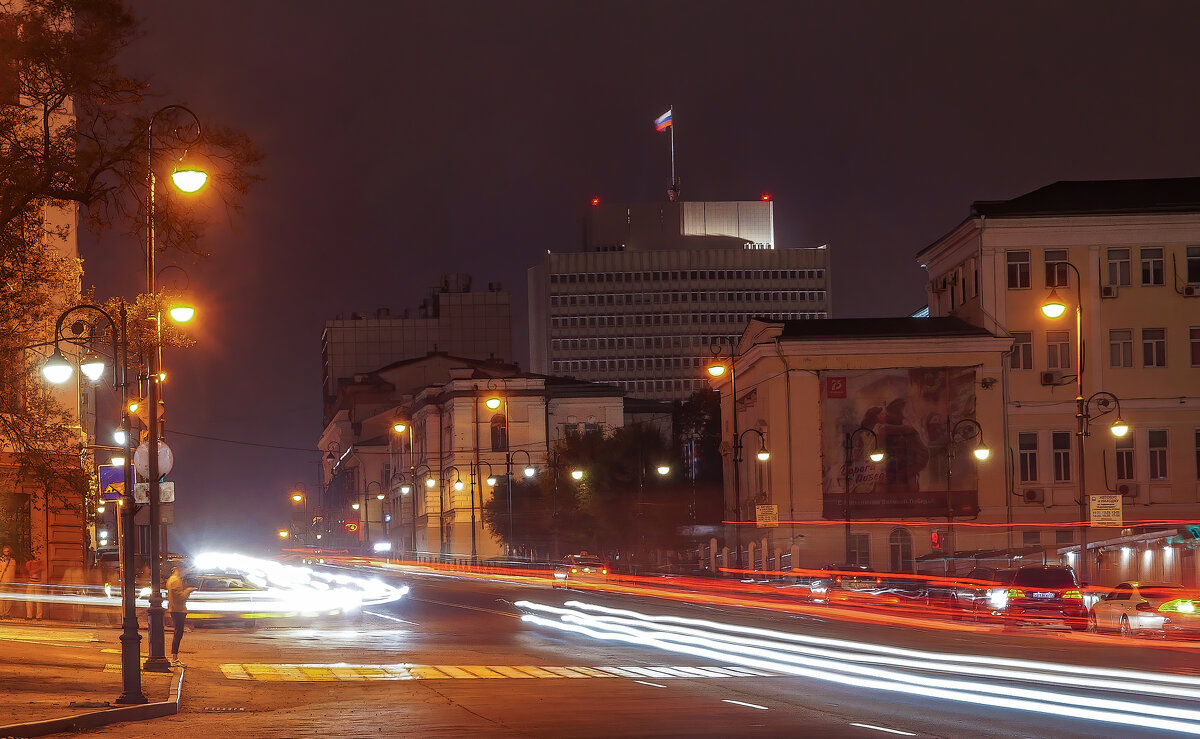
(1107, 510)
(909, 412)
(166, 492)
(766, 516)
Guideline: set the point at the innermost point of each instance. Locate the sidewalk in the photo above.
(58, 670)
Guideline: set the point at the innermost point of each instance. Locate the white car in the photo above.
(1140, 608)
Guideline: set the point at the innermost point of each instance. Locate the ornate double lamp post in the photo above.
(875, 455)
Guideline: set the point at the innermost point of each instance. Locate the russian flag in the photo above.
(663, 122)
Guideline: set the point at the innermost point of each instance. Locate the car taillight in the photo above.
(1073, 594)
(879, 581)
(838, 578)
(1178, 606)
(1016, 593)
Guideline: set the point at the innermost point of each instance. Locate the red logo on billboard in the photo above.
(351, 526)
(835, 387)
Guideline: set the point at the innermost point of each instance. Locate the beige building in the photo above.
(820, 396)
(1127, 253)
(451, 436)
(656, 285)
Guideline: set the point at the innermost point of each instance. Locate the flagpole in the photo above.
(674, 189)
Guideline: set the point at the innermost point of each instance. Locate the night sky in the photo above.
(405, 140)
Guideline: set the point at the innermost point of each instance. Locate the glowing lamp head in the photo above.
(120, 436)
(430, 482)
(492, 403)
(717, 370)
(355, 506)
(399, 427)
(458, 485)
(876, 456)
(982, 452)
(117, 461)
(530, 471)
(491, 481)
(133, 406)
(101, 508)
(405, 489)
(92, 366)
(763, 455)
(576, 474)
(56, 369)
(188, 178)
(297, 497)
(1119, 428)
(283, 533)
(1054, 307)
(182, 312)
(380, 496)
(663, 469)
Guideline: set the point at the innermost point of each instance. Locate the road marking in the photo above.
(391, 618)
(747, 705)
(469, 608)
(884, 728)
(653, 685)
(343, 672)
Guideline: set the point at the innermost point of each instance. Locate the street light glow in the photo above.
(530, 472)
(297, 497)
(430, 482)
(716, 370)
(283, 534)
(663, 469)
(119, 436)
(355, 506)
(56, 369)
(182, 313)
(763, 455)
(491, 481)
(189, 179)
(92, 366)
(405, 489)
(399, 427)
(876, 456)
(1054, 307)
(1119, 428)
(117, 461)
(982, 452)
(380, 496)
(576, 474)
(492, 403)
(458, 485)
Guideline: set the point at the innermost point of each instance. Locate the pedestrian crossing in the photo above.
(357, 673)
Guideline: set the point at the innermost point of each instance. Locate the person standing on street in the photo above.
(33, 589)
(8, 574)
(177, 595)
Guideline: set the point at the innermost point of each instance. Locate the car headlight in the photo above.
(998, 598)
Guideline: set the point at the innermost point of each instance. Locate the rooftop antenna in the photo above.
(662, 123)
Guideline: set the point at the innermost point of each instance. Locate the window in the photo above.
(1027, 451)
(1154, 347)
(1031, 538)
(1152, 265)
(1124, 453)
(1193, 265)
(1194, 338)
(1061, 445)
(1022, 351)
(1119, 267)
(900, 551)
(1018, 270)
(1056, 268)
(1120, 347)
(1064, 536)
(860, 550)
(1058, 349)
(499, 433)
(1157, 441)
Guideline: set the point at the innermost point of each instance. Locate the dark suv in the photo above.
(1040, 593)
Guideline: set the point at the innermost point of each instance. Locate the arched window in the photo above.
(900, 549)
(499, 433)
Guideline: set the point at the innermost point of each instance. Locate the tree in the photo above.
(73, 134)
(698, 424)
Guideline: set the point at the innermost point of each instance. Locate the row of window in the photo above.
(621, 365)
(1119, 264)
(662, 386)
(676, 275)
(674, 319)
(639, 342)
(1153, 346)
(658, 298)
(1061, 449)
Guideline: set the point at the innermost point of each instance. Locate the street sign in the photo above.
(141, 459)
(166, 492)
(1107, 511)
(766, 516)
(112, 482)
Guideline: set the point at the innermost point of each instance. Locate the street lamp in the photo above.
(1054, 307)
(131, 675)
(875, 455)
(965, 429)
(187, 179)
(476, 472)
(529, 471)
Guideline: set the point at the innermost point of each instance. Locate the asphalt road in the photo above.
(455, 658)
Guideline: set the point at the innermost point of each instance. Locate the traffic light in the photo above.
(937, 540)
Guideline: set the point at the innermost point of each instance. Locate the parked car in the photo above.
(971, 597)
(1147, 608)
(1039, 594)
(846, 583)
(580, 567)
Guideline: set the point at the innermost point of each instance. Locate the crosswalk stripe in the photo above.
(313, 673)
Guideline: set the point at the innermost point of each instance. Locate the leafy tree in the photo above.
(698, 424)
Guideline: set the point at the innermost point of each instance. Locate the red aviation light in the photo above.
(766, 197)
(595, 201)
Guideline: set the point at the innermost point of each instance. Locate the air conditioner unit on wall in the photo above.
(1127, 489)
(1034, 495)
(1191, 291)
(1108, 291)
(1052, 377)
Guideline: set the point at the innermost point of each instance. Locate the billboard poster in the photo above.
(909, 413)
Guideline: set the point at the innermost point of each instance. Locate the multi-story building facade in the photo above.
(658, 284)
(1127, 254)
(453, 319)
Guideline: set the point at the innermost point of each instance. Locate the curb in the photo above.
(95, 719)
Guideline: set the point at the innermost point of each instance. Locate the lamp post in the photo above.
(963, 430)
(456, 485)
(57, 370)
(718, 368)
(300, 496)
(430, 482)
(847, 470)
(529, 471)
(188, 180)
(403, 427)
(366, 535)
(663, 470)
(333, 456)
(1054, 308)
(491, 482)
